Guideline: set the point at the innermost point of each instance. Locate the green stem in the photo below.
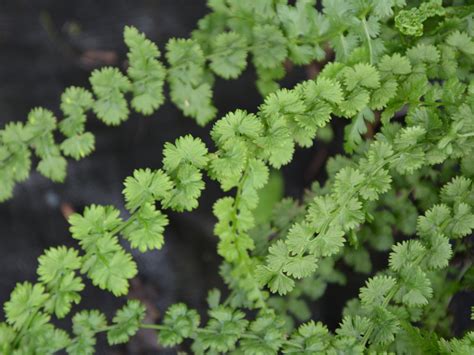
(245, 335)
(125, 224)
(369, 40)
(391, 293)
(244, 258)
(24, 330)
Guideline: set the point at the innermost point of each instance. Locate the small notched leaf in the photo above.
(109, 85)
(229, 54)
(146, 72)
(126, 322)
(78, 146)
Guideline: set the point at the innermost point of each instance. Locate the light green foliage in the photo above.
(24, 301)
(190, 88)
(401, 77)
(107, 264)
(145, 71)
(57, 271)
(270, 46)
(75, 102)
(78, 146)
(146, 233)
(229, 53)
(126, 322)
(179, 323)
(410, 22)
(41, 124)
(146, 186)
(183, 162)
(225, 326)
(85, 324)
(109, 86)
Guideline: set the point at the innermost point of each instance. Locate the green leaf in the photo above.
(267, 78)
(375, 291)
(190, 87)
(146, 186)
(88, 322)
(236, 127)
(57, 271)
(309, 338)
(95, 222)
(457, 190)
(359, 260)
(109, 266)
(423, 53)
(229, 54)
(462, 41)
(126, 322)
(320, 212)
(439, 253)
(386, 325)
(25, 300)
(269, 47)
(406, 254)
(194, 101)
(188, 186)
(462, 222)
(382, 96)
(146, 231)
(301, 266)
(300, 238)
(179, 323)
(395, 64)
(329, 242)
(7, 337)
(434, 221)
(15, 134)
(185, 55)
(185, 150)
(415, 287)
(78, 146)
(361, 75)
(277, 143)
(376, 184)
(213, 298)
(325, 88)
(354, 103)
(276, 280)
(41, 121)
(224, 328)
(353, 132)
(269, 196)
(268, 335)
(53, 167)
(75, 102)
(145, 71)
(227, 168)
(354, 327)
(109, 85)
(84, 325)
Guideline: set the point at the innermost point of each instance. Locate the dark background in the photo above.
(46, 46)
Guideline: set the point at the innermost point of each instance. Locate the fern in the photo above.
(401, 75)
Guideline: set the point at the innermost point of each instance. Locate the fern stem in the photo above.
(369, 40)
(244, 258)
(391, 293)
